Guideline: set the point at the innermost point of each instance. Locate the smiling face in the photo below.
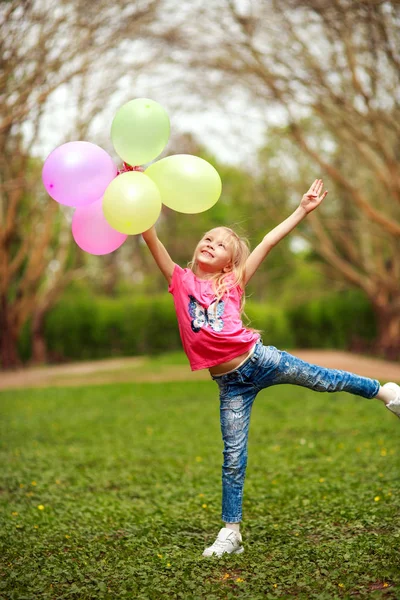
(214, 252)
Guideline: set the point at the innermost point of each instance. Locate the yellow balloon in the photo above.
(131, 203)
(187, 183)
(140, 131)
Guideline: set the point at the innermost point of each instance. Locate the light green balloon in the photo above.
(187, 183)
(131, 203)
(140, 131)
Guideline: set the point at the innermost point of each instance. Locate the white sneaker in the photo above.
(227, 542)
(394, 405)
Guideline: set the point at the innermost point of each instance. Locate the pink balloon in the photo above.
(78, 173)
(91, 231)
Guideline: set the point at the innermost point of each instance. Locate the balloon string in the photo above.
(126, 168)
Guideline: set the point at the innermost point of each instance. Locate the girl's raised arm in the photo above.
(309, 202)
(160, 254)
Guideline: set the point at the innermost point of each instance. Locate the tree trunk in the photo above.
(9, 358)
(39, 347)
(387, 343)
(111, 275)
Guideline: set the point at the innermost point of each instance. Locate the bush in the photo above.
(273, 322)
(83, 326)
(335, 321)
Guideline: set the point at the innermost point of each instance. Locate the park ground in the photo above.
(174, 367)
(110, 486)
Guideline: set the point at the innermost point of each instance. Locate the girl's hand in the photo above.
(313, 197)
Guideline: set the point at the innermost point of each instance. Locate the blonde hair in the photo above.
(224, 281)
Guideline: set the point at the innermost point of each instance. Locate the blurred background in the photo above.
(274, 95)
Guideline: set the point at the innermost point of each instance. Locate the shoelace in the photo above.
(219, 544)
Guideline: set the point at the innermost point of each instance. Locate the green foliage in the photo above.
(114, 491)
(86, 327)
(336, 321)
(25, 342)
(273, 323)
(83, 326)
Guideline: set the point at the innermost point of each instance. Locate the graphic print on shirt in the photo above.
(203, 316)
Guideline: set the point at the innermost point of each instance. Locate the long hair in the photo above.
(224, 281)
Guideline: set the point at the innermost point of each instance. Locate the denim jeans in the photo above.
(238, 389)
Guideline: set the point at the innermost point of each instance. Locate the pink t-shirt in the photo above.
(211, 332)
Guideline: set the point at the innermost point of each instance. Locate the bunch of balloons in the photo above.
(113, 203)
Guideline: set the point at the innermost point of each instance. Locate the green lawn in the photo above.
(114, 491)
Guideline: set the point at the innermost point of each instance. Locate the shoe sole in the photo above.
(238, 551)
(394, 411)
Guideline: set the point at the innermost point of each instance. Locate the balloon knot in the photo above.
(126, 168)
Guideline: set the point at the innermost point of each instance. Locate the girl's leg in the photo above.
(235, 411)
(273, 366)
(321, 379)
(234, 526)
(387, 392)
(236, 401)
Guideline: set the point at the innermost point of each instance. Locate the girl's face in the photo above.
(214, 251)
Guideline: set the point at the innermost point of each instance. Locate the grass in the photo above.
(113, 492)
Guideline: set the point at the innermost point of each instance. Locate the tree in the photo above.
(328, 72)
(80, 50)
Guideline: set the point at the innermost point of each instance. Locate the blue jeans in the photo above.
(238, 389)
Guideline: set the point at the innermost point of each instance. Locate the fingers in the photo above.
(317, 186)
(314, 193)
(318, 199)
(316, 196)
(312, 188)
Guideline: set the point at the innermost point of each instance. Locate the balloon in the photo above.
(91, 231)
(132, 203)
(140, 131)
(77, 173)
(187, 183)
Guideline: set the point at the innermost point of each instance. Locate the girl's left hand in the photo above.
(313, 197)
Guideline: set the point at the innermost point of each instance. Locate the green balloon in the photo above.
(187, 183)
(131, 203)
(140, 131)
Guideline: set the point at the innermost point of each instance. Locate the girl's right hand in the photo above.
(160, 254)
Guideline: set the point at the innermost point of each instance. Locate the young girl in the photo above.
(208, 299)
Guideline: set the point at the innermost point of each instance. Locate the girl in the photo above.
(208, 300)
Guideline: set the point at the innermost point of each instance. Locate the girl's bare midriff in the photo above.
(230, 365)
